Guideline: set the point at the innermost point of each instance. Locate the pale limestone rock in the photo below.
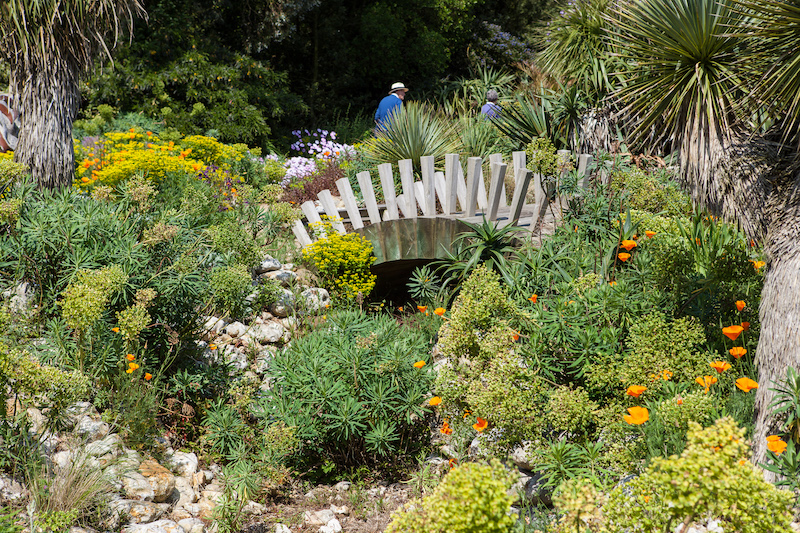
(192, 525)
(137, 487)
(183, 463)
(161, 479)
(138, 512)
(159, 526)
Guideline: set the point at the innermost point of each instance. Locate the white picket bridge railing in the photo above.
(460, 195)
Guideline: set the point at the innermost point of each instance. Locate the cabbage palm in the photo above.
(694, 81)
(50, 45)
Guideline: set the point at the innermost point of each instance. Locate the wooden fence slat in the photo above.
(309, 209)
(518, 159)
(498, 158)
(462, 188)
(365, 183)
(441, 188)
(422, 200)
(483, 198)
(451, 168)
(520, 190)
(473, 180)
(427, 164)
(402, 204)
(407, 180)
(584, 168)
(496, 188)
(349, 199)
(326, 199)
(301, 234)
(387, 183)
(539, 199)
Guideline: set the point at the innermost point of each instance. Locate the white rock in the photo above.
(268, 333)
(110, 444)
(342, 486)
(161, 479)
(520, 456)
(192, 525)
(235, 329)
(315, 299)
(254, 508)
(138, 512)
(160, 526)
(235, 357)
(318, 518)
(77, 410)
(48, 443)
(10, 490)
(334, 526)
(268, 264)
(264, 358)
(62, 459)
(37, 419)
(340, 509)
(136, 487)
(280, 528)
(186, 492)
(22, 297)
(284, 277)
(284, 305)
(183, 463)
(91, 429)
(214, 325)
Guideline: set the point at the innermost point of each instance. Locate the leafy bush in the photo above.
(352, 390)
(652, 193)
(711, 479)
(230, 286)
(472, 498)
(342, 262)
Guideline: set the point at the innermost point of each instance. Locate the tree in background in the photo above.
(50, 45)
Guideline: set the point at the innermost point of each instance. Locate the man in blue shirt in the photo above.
(491, 109)
(391, 104)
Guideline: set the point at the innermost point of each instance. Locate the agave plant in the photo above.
(414, 132)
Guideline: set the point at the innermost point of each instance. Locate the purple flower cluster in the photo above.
(320, 144)
(298, 168)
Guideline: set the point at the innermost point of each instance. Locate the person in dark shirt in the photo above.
(491, 109)
(392, 103)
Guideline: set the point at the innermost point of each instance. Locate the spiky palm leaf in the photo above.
(412, 133)
(527, 119)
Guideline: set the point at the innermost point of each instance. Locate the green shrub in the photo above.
(87, 295)
(570, 409)
(351, 389)
(342, 262)
(230, 286)
(234, 240)
(711, 479)
(472, 498)
(649, 192)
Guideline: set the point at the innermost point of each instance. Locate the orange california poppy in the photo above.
(439, 311)
(480, 425)
(746, 384)
(666, 374)
(452, 462)
(737, 352)
(419, 364)
(706, 382)
(638, 415)
(534, 298)
(515, 336)
(400, 308)
(623, 256)
(628, 245)
(436, 400)
(148, 376)
(745, 326)
(635, 390)
(720, 366)
(115, 330)
(422, 308)
(758, 265)
(612, 283)
(130, 357)
(212, 346)
(775, 444)
(732, 332)
(446, 429)
(697, 241)
(680, 400)
(740, 305)
(650, 234)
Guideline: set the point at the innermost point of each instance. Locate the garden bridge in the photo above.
(421, 224)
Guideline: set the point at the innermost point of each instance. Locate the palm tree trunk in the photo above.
(779, 343)
(49, 99)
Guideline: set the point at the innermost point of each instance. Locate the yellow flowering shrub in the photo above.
(341, 261)
(214, 152)
(472, 498)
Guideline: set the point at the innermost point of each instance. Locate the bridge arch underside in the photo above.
(401, 245)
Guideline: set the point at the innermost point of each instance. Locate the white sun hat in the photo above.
(399, 86)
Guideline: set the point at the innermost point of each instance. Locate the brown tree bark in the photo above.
(49, 99)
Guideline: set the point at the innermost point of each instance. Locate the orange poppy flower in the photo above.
(740, 305)
(115, 330)
(638, 415)
(534, 298)
(446, 429)
(148, 376)
(422, 308)
(419, 364)
(212, 346)
(745, 326)
(732, 332)
(612, 283)
(130, 357)
(775, 444)
(85, 179)
(623, 256)
(400, 308)
(650, 234)
(706, 382)
(666, 374)
(452, 462)
(758, 265)
(680, 400)
(720, 366)
(480, 425)
(436, 400)
(628, 245)
(737, 352)
(635, 390)
(746, 384)
(439, 311)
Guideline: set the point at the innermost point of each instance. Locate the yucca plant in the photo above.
(527, 119)
(416, 131)
(50, 45)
